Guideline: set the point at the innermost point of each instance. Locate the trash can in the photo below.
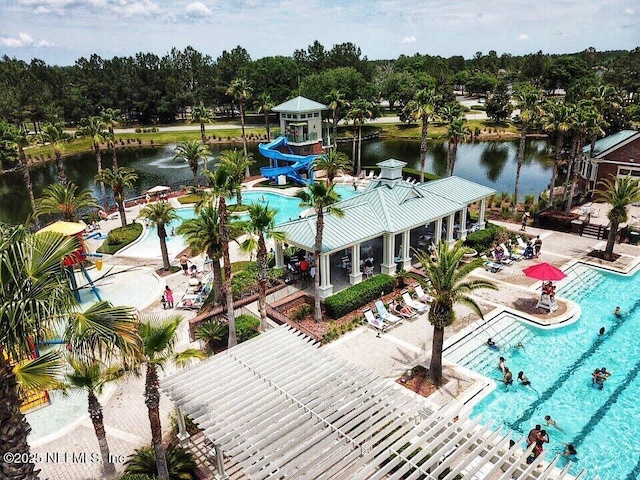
(634, 238)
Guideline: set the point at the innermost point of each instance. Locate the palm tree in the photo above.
(118, 179)
(91, 377)
(211, 332)
(142, 464)
(337, 102)
(423, 108)
(95, 129)
(65, 200)
(261, 226)
(265, 105)
(457, 131)
(448, 284)
(236, 164)
(161, 214)
(222, 186)
(619, 193)
(321, 198)
(333, 163)
(202, 115)
(556, 120)
(528, 101)
(158, 349)
(360, 110)
(35, 293)
(111, 117)
(203, 235)
(192, 152)
(54, 134)
(17, 138)
(241, 91)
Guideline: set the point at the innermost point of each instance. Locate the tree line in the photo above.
(147, 88)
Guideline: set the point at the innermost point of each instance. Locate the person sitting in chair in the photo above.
(401, 309)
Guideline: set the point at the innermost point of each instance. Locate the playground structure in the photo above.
(300, 144)
(76, 258)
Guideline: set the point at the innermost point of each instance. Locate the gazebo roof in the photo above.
(299, 104)
(611, 141)
(280, 407)
(386, 207)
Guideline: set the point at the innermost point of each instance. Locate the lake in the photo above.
(489, 163)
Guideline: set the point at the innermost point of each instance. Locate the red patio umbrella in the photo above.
(544, 271)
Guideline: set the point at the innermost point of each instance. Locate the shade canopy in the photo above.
(544, 271)
(158, 189)
(65, 228)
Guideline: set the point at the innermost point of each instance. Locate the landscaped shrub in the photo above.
(181, 463)
(335, 331)
(247, 327)
(245, 281)
(300, 312)
(357, 295)
(483, 240)
(120, 237)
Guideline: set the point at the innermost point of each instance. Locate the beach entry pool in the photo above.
(602, 424)
(288, 208)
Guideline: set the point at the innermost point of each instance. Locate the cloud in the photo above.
(144, 8)
(523, 36)
(629, 11)
(198, 9)
(23, 40)
(41, 10)
(410, 39)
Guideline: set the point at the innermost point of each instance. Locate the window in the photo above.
(316, 114)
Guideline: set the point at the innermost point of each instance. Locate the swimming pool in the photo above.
(287, 207)
(602, 424)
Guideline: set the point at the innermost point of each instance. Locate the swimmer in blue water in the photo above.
(492, 345)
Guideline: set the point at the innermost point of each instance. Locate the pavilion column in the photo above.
(183, 435)
(388, 265)
(217, 453)
(450, 227)
(483, 204)
(279, 255)
(405, 253)
(437, 231)
(356, 275)
(462, 233)
(326, 289)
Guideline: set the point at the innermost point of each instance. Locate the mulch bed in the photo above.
(603, 255)
(418, 380)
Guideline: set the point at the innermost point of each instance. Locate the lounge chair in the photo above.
(422, 296)
(190, 301)
(375, 322)
(521, 243)
(384, 314)
(368, 272)
(415, 304)
(490, 266)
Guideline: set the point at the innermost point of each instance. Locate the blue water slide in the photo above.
(298, 162)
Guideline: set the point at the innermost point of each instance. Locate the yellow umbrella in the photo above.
(65, 228)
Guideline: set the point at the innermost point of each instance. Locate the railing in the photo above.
(307, 137)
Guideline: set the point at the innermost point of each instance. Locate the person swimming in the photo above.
(522, 378)
(508, 377)
(550, 421)
(502, 365)
(618, 312)
(492, 345)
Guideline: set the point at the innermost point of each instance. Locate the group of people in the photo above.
(507, 376)
(305, 267)
(167, 298)
(539, 436)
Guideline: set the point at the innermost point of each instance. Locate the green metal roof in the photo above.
(386, 208)
(609, 142)
(392, 163)
(299, 104)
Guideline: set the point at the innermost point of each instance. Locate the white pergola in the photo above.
(279, 407)
(389, 206)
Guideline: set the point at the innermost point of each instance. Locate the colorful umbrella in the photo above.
(544, 271)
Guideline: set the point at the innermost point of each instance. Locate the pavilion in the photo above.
(394, 209)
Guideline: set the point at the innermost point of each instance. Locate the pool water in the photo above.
(602, 424)
(287, 208)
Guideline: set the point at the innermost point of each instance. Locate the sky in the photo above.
(61, 31)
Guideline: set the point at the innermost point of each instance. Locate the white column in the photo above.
(279, 255)
(388, 266)
(356, 275)
(483, 204)
(221, 474)
(462, 233)
(437, 231)
(405, 254)
(450, 222)
(183, 435)
(326, 289)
